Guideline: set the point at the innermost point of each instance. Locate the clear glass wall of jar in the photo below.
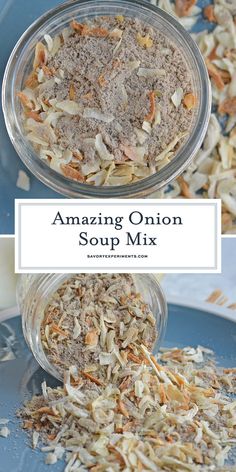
(35, 290)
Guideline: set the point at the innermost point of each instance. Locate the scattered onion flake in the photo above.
(213, 172)
(227, 192)
(117, 46)
(173, 412)
(151, 73)
(71, 173)
(171, 146)
(141, 135)
(184, 7)
(5, 432)
(135, 153)
(41, 55)
(49, 42)
(102, 149)
(190, 101)
(97, 115)
(25, 100)
(124, 95)
(146, 126)
(69, 106)
(116, 33)
(144, 41)
(132, 65)
(177, 97)
(23, 181)
(157, 119)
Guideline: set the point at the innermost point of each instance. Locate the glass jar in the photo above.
(19, 66)
(34, 291)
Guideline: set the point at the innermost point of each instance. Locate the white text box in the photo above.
(118, 235)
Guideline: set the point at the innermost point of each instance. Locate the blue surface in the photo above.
(15, 17)
(21, 377)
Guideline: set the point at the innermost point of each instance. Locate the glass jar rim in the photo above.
(145, 186)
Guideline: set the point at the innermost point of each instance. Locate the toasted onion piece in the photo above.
(41, 55)
(190, 101)
(215, 75)
(25, 100)
(208, 12)
(151, 115)
(184, 7)
(144, 41)
(71, 173)
(228, 106)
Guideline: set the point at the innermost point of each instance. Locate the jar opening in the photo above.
(15, 72)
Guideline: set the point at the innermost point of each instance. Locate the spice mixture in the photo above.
(96, 322)
(213, 172)
(175, 413)
(108, 102)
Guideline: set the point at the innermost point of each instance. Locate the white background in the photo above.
(45, 247)
(197, 287)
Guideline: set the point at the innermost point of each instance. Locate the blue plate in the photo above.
(15, 17)
(20, 377)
